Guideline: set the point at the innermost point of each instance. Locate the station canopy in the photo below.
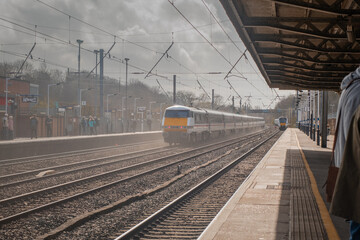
(299, 44)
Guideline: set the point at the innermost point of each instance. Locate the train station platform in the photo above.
(283, 197)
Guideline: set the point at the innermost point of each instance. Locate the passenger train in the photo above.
(182, 124)
(281, 122)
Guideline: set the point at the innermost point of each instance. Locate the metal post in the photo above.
(96, 79)
(101, 83)
(48, 98)
(96, 62)
(122, 107)
(233, 104)
(6, 94)
(135, 106)
(324, 119)
(79, 42)
(126, 86)
(174, 89)
(314, 115)
(107, 100)
(309, 124)
(161, 113)
(318, 118)
(150, 103)
(80, 101)
(107, 103)
(212, 98)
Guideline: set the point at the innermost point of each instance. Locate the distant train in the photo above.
(281, 122)
(183, 124)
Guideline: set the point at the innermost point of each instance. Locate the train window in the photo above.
(282, 120)
(177, 113)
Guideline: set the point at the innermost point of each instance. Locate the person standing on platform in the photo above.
(83, 124)
(91, 125)
(347, 206)
(33, 126)
(11, 128)
(48, 123)
(5, 127)
(96, 125)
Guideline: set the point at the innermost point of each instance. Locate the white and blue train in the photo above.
(182, 124)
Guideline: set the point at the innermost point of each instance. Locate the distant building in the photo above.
(19, 94)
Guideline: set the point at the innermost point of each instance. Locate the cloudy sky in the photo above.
(142, 31)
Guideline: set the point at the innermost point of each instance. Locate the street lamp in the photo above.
(48, 96)
(126, 85)
(107, 100)
(79, 42)
(81, 90)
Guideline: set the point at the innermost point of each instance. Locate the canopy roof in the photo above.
(299, 44)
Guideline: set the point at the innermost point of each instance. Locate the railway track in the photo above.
(14, 162)
(71, 168)
(132, 178)
(64, 192)
(187, 216)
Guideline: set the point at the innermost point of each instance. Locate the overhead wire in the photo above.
(235, 46)
(36, 59)
(44, 34)
(202, 35)
(93, 26)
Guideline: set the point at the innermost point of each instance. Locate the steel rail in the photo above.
(143, 224)
(13, 161)
(6, 177)
(214, 147)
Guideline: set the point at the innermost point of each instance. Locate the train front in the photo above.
(283, 123)
(175, 124)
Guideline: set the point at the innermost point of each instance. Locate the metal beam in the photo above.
(279, 52)
(276, 61)
(324, 9)
(302, 79)
(276, 70)
(277, 39)
(296, 85)
(315, 34)
(303, 20)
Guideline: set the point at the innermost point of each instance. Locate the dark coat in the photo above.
(346, 198)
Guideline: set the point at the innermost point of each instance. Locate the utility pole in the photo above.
(174, 87)
(212, 98)
(101, 83)
(233, 104)
(79, 42)
(126, 87)
(96, 78)
(6, 94)
(96, 62)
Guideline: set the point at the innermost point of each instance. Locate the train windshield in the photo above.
(282, 120)
(177, 113)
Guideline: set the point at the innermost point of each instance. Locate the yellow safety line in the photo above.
(325, 216)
